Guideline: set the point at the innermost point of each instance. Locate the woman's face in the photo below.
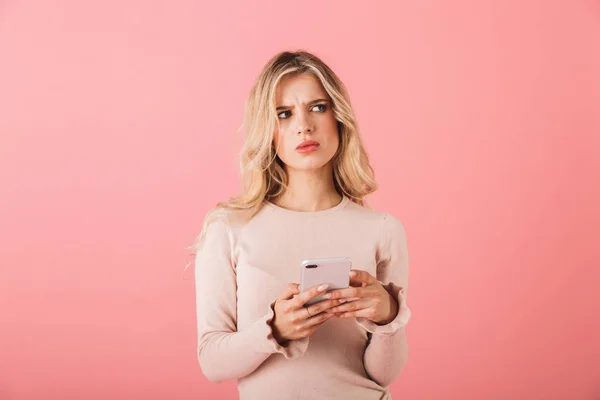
(307, 135)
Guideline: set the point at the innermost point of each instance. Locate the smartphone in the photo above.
(332, 271)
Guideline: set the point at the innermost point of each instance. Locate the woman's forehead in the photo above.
(299, 88)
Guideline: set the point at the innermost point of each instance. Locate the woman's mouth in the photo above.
(308, 146)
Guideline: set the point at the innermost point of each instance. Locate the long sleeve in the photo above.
(387, 351)
(223, 352)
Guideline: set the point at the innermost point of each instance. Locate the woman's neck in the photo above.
(309, 191)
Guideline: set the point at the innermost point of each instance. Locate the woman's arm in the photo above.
(225, 353)
(387, 351)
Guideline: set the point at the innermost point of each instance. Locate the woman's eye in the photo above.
(281, 113)
(323, 107)
(286, 114)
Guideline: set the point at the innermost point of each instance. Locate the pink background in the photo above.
(118, 132)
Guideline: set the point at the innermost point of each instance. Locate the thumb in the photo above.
(289, 291)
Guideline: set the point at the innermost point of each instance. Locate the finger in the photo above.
(324, 305)
(318, 319)
(351, 306)
(346, 293)
(365, 313)
(289, 291)
(361, 278)
(310, 294)
(310, 329)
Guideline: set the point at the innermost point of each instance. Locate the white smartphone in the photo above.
(332, 271)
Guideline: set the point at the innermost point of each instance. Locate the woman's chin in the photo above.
(310, 166)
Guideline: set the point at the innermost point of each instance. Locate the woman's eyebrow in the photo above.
(309, 103)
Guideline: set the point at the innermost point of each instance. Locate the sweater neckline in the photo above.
(345, 200)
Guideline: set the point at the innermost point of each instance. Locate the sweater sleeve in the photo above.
(223, 352)
(387, 351)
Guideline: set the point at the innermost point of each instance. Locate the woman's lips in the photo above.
(308, 148)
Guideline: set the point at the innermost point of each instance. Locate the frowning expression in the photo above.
(306, 136)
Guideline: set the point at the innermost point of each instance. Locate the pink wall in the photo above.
(117, 134)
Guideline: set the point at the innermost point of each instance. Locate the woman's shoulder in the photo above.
(231, 218)
(368, 211)
(389, 223)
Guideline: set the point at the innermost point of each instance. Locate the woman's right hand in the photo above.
(294, 321)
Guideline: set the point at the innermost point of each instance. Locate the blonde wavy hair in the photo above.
(262, 172)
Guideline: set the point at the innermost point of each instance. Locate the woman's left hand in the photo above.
(369, 299)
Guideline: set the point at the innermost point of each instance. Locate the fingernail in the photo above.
(352, 273)
(342, 300)
(327, 296)
(322, 288)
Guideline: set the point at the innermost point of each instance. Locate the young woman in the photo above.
(305, 175)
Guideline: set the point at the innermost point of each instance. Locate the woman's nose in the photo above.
(304, 124)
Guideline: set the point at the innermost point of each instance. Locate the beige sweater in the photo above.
(242, 268)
